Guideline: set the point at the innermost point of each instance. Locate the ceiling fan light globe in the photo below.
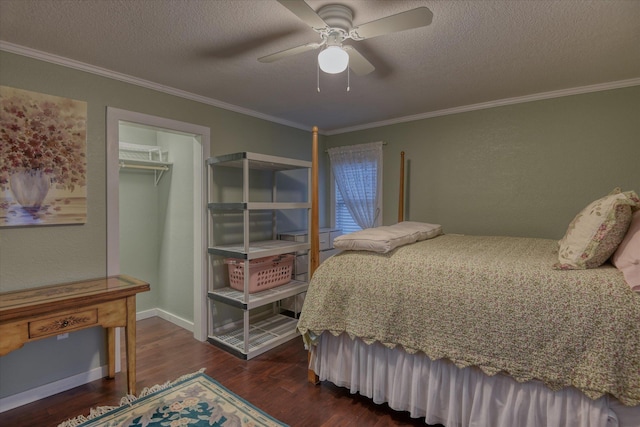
(333, 60)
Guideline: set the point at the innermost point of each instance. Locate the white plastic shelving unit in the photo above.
(254, 333)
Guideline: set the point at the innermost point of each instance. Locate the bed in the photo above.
(480, 330)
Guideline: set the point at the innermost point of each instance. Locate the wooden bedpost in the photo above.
(401, 193)
(314, 232)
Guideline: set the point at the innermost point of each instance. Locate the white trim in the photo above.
(31, 395)
(113, 201)
(491, 104)
(82, 66)
(146, 314)
(202, 138)
(70, 63)
(165, 315)
(200, 297)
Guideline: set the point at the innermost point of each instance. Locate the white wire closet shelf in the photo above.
(144, 157)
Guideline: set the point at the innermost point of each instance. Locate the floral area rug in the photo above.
(191, 400)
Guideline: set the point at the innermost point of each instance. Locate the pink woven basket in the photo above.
(264, 273)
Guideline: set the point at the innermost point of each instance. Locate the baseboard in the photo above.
(165, 315)
(15, 400)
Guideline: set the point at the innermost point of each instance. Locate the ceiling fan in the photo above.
(333, 23)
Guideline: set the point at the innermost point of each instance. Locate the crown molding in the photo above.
(82, 66)
(70, 63)
(491, 104)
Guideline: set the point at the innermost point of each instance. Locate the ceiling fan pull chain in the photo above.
(348, 80)
(318, 75)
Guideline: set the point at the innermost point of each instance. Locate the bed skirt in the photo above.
(445, 394)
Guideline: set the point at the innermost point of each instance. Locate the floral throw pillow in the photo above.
(595, 233)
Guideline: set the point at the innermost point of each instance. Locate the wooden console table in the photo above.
(37, 313)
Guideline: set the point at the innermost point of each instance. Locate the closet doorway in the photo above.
(156, 206)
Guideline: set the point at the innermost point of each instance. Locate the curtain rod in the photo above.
(383, 144)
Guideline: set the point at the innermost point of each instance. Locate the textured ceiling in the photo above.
(474, 52)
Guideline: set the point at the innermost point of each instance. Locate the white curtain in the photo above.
(357, 170)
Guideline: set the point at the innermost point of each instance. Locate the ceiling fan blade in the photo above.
(414, 18)
(289, 52)
(358, 63)
(303, 11)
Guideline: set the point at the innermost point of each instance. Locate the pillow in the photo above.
(424, 230)
(386, 238)
(627, 257)
(595, 233)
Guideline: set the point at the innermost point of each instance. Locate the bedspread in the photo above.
(491, 302)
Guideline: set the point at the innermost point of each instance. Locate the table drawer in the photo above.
(63, 323)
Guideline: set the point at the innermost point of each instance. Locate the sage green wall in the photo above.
(138, 202)
(175, 257)
(45, 255)
(523, 170)
(156, 223)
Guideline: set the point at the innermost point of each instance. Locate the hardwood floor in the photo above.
(275, 382)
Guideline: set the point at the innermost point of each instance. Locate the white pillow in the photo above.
(425, 230)
(386, 238)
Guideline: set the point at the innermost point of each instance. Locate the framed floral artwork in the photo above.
(43, 165)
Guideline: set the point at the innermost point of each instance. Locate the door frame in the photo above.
(201, 133)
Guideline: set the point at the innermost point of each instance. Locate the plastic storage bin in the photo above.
(264, 273)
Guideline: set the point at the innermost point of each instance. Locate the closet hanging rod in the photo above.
(154, 168)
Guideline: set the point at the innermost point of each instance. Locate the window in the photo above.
(357, 187)
(344, 220)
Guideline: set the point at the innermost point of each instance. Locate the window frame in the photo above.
(332, 196)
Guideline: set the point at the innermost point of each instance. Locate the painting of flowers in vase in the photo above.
(43, 165)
